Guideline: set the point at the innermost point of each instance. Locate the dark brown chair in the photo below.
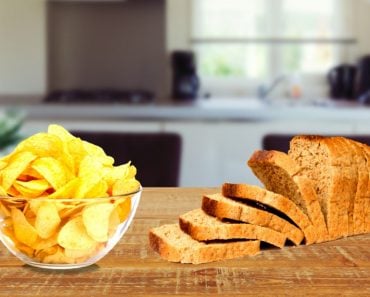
(155, 155)
(280, 142)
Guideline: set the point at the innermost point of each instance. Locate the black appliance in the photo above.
(342, 82)
(362, 85)
(185, 82)
(99, 96)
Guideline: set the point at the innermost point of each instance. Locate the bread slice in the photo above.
(203, 227)
(174, 245)
(222, 207)
(359, 176)
(364, 205)
(277, 202)
(278, 172)
(321, 159)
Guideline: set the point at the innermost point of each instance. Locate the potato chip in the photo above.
(33, 188)
(60, 132)
(55, 172)
(117, 172)
(96, 220)
(4, 212)
(114, 221)
(123, 208)
(41, 145)
(3, 164)
(99, 190)
(68, 190)
(23, 230)
(43, 244)
(2, 191)
(47, 220)
(98, 153)
(75, 254)
(18, 163)
(42, 253)
(73, 235)
(58, 257)
(12, 192)
(122, 187)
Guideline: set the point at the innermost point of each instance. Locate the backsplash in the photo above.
(107, 45)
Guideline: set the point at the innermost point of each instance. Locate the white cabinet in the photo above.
(217, 152)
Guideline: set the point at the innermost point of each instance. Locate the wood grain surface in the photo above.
(340, 267)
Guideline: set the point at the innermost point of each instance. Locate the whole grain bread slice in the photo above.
(222, 207)
(203, 227)
(175, 245)
(278, 172)
(276, 201)
(365, 204)
(321, 159)
(358, 176)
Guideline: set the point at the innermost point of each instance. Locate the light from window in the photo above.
(259, 38)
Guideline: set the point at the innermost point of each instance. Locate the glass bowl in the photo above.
(65, 233)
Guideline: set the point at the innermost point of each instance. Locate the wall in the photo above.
(116, 44)
(362, 25)
(22, 48)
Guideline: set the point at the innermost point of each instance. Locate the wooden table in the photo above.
(335, 268)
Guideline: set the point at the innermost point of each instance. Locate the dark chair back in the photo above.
(280, 142)
(155, 155)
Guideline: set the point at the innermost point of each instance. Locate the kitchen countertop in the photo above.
(238, 110)
(336, 268)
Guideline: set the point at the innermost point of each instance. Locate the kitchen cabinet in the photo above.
(217, 152)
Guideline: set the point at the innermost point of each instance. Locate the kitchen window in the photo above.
(241, 44)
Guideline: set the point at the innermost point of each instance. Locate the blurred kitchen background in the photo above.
(213, 79)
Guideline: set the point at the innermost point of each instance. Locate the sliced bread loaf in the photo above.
(174, 245)
(275, 201)
(321, 159)
(278, 172)
(222, 207)
(203, 227)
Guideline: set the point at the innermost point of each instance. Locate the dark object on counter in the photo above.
(280, 142)
(100, 96)
(157, 156)
(185, 82)
(342, 81)
(362, 85)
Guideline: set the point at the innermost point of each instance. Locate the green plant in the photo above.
(10, 124)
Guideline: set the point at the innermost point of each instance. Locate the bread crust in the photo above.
(222, 207)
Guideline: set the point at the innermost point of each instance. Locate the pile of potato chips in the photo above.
(58, 173)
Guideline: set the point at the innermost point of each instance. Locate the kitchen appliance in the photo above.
(362, 84)
(342, 82)
(185, 82)
(99, 96)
